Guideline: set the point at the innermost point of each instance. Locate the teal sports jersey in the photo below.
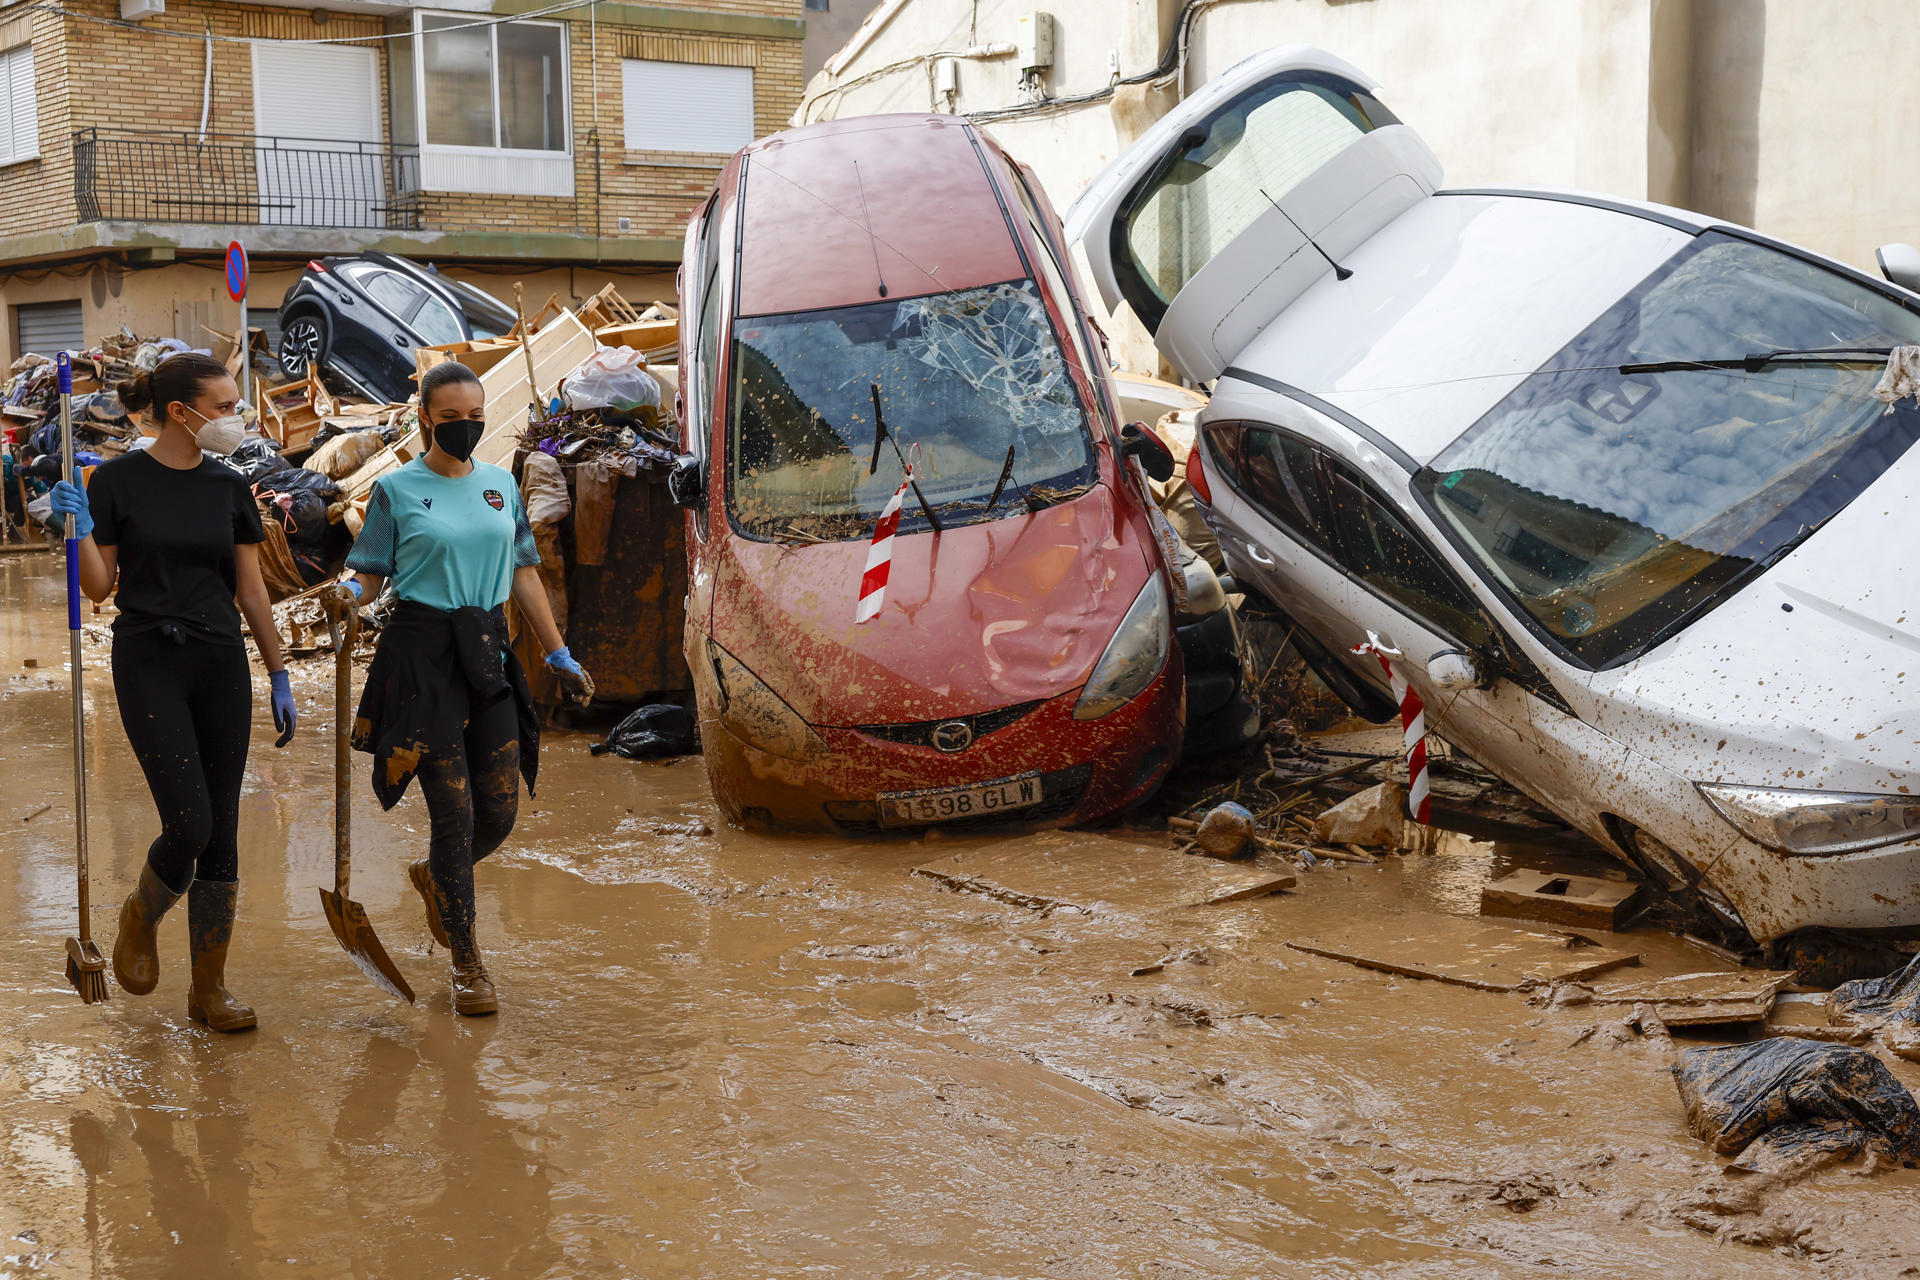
(446, 543)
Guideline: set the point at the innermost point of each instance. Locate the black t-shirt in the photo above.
(176, 531)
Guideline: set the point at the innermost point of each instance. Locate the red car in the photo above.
(863, 296)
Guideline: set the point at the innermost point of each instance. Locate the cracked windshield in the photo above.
(972, 391)
(1613, 502)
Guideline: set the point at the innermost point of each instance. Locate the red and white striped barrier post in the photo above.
(873, 582)
(1413, 725)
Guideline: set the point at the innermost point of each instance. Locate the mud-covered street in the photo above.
(726, 1055)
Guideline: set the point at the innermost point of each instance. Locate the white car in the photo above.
(1622, 465)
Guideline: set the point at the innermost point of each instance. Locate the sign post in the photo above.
(237, 290)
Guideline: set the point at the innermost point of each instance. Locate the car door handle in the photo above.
(1260, 557)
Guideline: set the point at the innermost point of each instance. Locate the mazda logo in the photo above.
(954, 735)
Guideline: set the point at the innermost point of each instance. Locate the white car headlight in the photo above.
(1808, 823)
(1133, 658)
(757, 714)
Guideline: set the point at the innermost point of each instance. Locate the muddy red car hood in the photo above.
(976, 618)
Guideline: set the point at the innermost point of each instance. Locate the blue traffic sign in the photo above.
(236, 272)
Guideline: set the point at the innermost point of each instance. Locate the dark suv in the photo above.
(359, 319)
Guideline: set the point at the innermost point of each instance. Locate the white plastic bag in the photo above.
(612, 378)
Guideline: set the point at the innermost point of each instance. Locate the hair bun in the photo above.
(135, 393)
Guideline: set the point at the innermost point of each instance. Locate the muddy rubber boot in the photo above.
(473, 993)
(210, 908)
(422, 878)
(136, 956)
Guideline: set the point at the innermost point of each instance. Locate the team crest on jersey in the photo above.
(494, 499)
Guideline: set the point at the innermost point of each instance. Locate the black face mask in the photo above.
(459, 438)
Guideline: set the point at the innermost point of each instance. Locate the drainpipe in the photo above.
(206, 85)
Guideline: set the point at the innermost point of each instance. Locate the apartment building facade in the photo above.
(559, 144)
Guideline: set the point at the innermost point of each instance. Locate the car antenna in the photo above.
(1339, 272)
(880, 432)
(873, 241)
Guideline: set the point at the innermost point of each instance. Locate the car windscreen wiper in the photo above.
(1755, 361)
(880, 433)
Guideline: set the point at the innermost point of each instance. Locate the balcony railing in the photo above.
(138, 176)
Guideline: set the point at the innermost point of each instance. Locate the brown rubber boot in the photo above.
(422, 878)
(473, 993)
(136, 956)
(210, 908)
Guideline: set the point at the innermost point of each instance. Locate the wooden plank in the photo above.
(1466, 953)
(1585, 902)
(1701, 999)
(1094, 874)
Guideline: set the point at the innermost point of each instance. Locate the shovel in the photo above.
(349, 918)
(86, 967)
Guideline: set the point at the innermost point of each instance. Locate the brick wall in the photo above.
(37, 195)
(94, 75)
(653, 190)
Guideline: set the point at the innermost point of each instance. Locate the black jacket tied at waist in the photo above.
(431, 671)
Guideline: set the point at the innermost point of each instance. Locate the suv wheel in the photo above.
(303, 344)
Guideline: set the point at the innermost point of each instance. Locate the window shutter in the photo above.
(20, 140)
(684, 106)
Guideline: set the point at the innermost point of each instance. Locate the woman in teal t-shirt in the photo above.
(445, 698)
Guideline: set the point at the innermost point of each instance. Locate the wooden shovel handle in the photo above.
(342, 622)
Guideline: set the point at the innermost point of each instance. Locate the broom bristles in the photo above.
(88, 976)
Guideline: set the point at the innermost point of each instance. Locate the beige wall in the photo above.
(1788, 115)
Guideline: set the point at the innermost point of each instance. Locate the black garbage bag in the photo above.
(1871, 1002)
(659, 730)
(291, 479)
(1777, 1102)
(256, 457)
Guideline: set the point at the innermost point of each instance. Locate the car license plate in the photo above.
(954, 804)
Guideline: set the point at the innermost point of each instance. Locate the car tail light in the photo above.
(1197, 474)
(313, 264)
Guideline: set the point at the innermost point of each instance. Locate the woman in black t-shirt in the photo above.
(180, 533)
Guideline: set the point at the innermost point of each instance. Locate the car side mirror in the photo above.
(687, 482)
(1900, 263)
(1454, 669)
(1138, 441)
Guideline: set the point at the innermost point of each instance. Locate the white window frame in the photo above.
(8, 57)
(627, 117)
(493, 170)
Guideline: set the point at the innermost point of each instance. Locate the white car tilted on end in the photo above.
(1622, 463)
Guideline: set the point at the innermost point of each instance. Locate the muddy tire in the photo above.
(304, 340)
(1691, 902)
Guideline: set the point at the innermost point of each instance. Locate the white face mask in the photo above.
(220, 435)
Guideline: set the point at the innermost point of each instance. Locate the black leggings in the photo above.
(473, 796)
(188, 711)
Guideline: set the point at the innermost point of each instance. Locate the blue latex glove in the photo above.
(351, 589)
(283, 714)
(575, 681)
(71, 500)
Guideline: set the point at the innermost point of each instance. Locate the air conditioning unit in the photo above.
(134, 10)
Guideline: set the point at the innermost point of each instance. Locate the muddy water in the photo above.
(724, 1055)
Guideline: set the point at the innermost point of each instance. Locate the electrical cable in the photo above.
(1172, 60)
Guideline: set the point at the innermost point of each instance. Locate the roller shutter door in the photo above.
(47, 327)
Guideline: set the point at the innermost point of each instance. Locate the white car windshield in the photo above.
(963, 381)
(1614, 506)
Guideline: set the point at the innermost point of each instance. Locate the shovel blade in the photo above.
(355, 931)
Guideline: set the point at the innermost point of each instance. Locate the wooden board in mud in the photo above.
(1088, 873)
(1466, 953)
